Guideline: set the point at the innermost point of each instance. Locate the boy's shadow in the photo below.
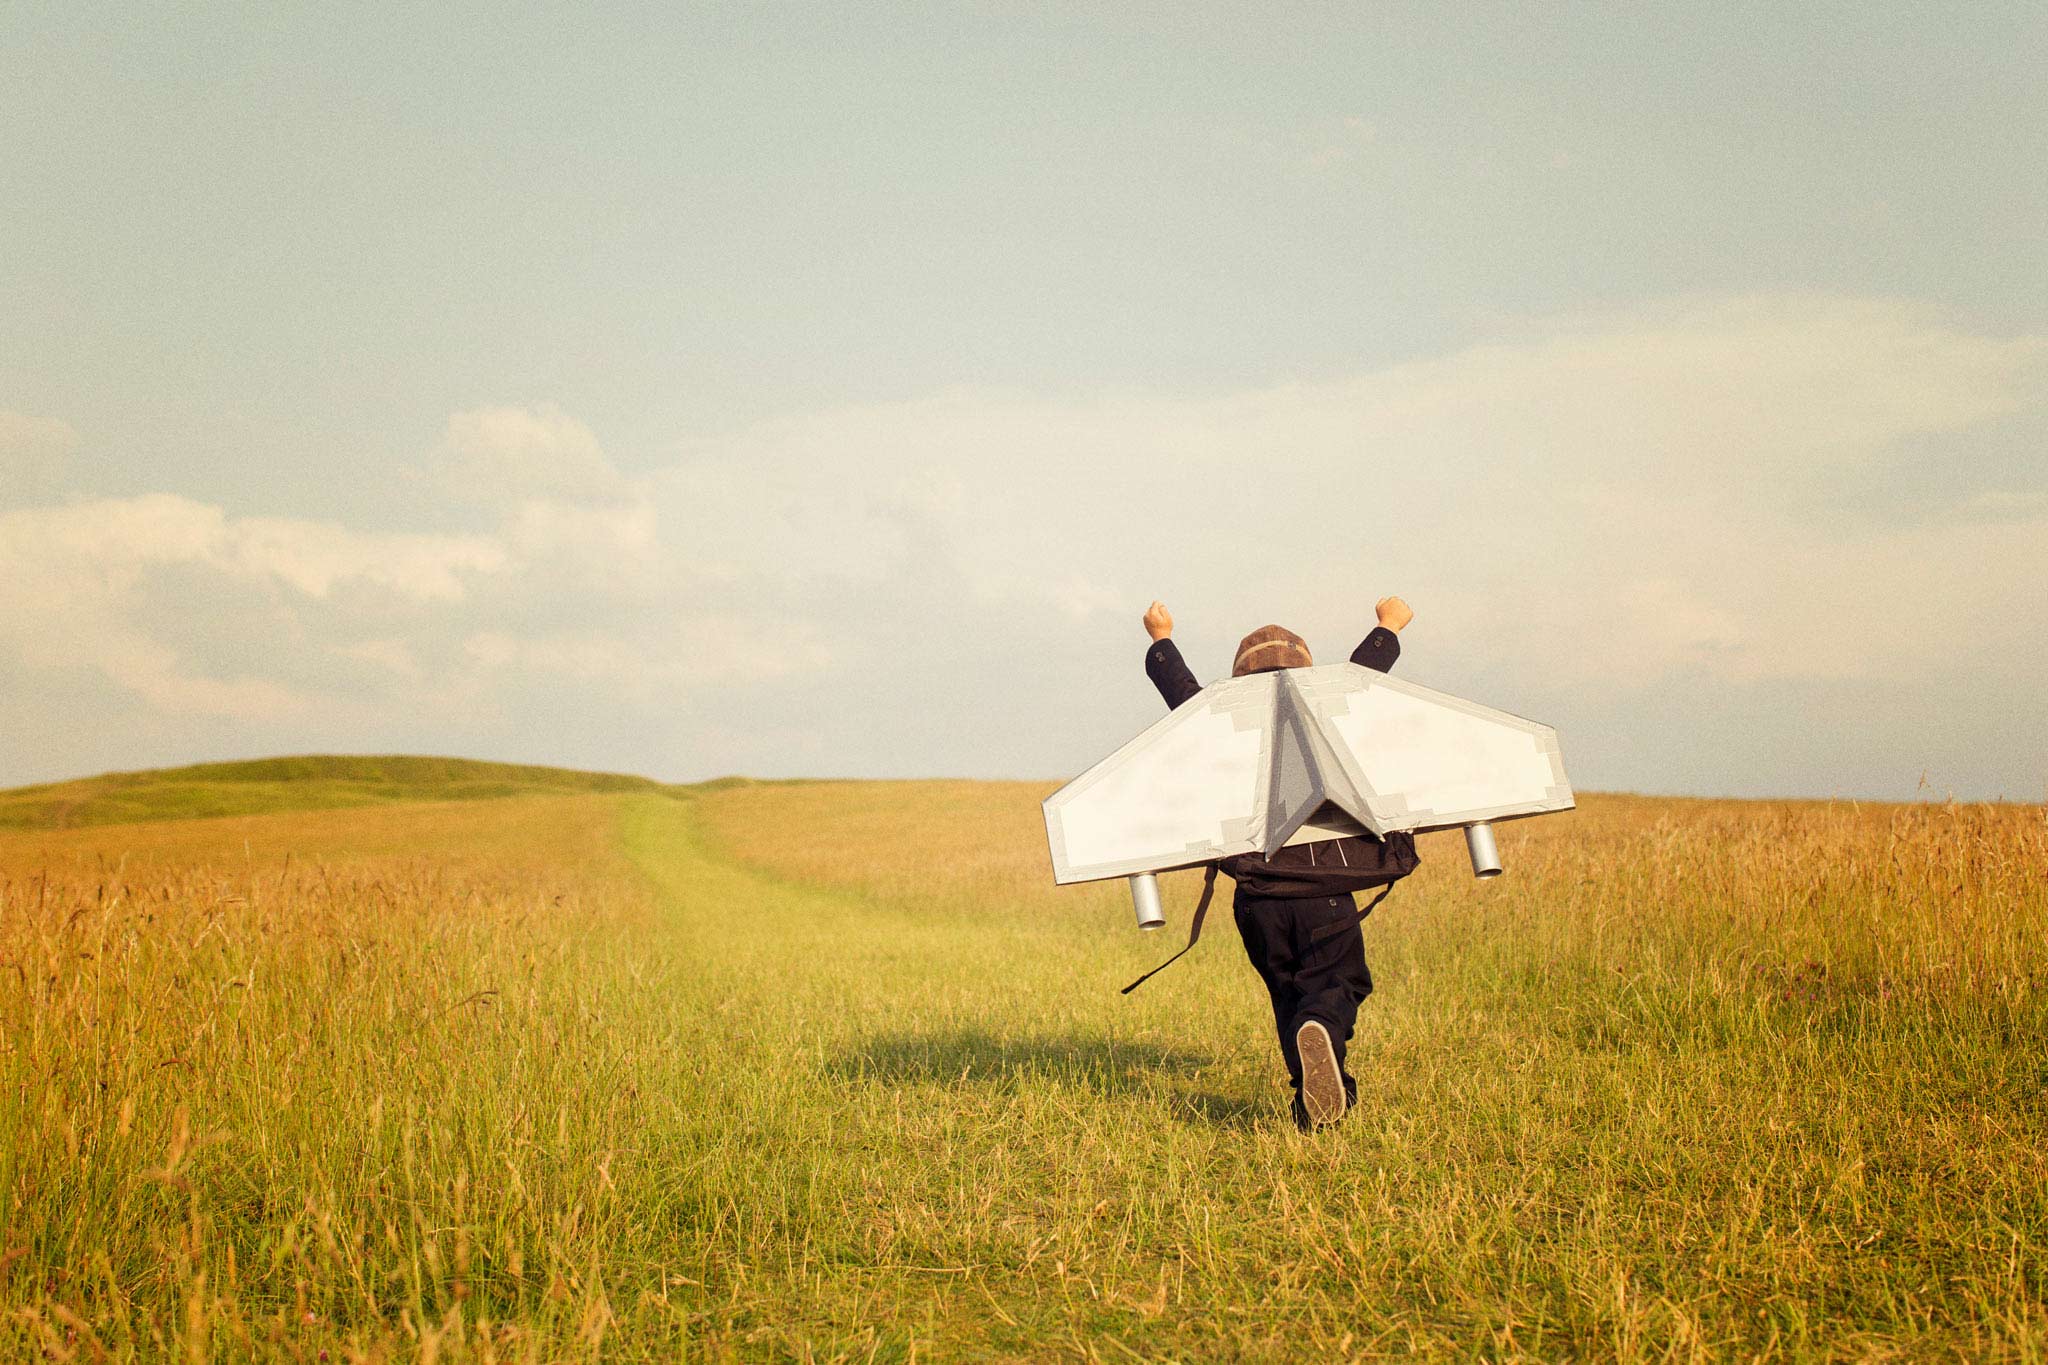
(1110, 1067)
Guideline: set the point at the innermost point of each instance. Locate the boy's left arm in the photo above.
(1163, 664)
(1379, 649)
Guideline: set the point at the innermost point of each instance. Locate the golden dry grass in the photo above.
(267, 1075)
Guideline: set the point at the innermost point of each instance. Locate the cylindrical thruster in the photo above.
(1485, 854)
(1145, 899)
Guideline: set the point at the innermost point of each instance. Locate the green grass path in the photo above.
(928, 1137)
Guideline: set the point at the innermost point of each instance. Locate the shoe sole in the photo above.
(1322, 1085)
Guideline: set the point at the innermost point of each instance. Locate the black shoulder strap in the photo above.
(1194, 931)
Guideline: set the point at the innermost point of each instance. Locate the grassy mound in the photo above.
(316, 782)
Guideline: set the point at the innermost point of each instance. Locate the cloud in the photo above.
(193, 612)
(501, 454)
(612, 544)
(80, 588)
(119, 537)
(1587, 512)
(1656, 481)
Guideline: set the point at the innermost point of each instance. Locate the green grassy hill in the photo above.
(315, 782)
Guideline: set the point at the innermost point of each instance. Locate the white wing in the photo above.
(1296, 756)
(1191, 789)
(1399, 756)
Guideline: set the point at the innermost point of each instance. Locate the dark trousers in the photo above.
(1311, 955)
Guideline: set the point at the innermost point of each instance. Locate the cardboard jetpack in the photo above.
(1294, 756)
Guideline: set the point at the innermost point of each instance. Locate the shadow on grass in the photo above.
(976, 1057)
(1107, 1066)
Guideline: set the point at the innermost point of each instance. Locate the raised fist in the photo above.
(1393, 613)
(1158, 621)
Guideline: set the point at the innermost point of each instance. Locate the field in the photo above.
(600, 1070)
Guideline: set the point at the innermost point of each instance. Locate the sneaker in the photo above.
(1322, 1084)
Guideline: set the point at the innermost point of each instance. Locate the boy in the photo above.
(1294, 911)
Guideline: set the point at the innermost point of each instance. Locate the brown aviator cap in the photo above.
(1267, 648)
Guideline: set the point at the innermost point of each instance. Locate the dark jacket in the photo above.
(1326, 868)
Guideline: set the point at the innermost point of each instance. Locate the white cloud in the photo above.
(1612, 498)
(197, 612)
(317, 557)
(117, 537)
(1595, 505)
(153, 673)
(511, 453)
(609, 544)
(76, 590)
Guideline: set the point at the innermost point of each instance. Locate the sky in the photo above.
(827, 390)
